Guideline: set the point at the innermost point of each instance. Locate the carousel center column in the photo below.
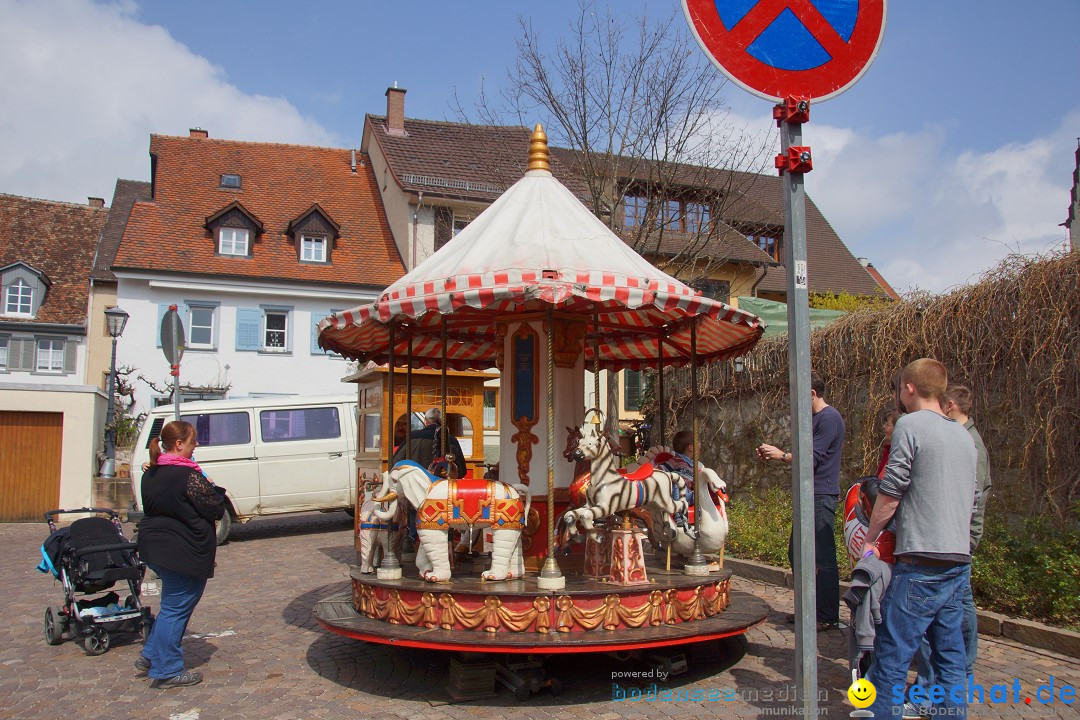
(523, 415)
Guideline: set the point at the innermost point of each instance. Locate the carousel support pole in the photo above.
(389, 566)
(596, 360)
(408, 400)
(551, 577)
(696, 564)
(443, 428)
(660, 392)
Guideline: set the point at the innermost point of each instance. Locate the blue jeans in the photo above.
(921, 601)
(179, 596)
(827, 575)
(927, 676)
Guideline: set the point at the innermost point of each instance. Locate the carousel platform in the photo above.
(467, 614)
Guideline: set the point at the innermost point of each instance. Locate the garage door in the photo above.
(31, 444)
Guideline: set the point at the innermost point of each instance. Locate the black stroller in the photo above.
(89, 557)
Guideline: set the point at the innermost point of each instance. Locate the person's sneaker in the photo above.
(826, 626)
(911, 712)
(142, 665)
(188, 677)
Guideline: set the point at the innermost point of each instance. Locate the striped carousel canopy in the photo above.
(538, 246)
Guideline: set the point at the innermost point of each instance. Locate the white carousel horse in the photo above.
(378, 536)
(611, 491)
(443, 505)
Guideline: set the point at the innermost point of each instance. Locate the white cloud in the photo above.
(84, 86)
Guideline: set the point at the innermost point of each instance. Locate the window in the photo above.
(303, 424)
(274, 334)
(634, 210)
(217, 428)
(670, 215)
(19, 299)
(201, 327)
(372, 432)
(714, 289)
(50, 356)
(233, 241)
(632, 390)
(230, 180)
(696, 217)
(769, 244)
(3, 352)
(491, 418)
(460, 224)
(312, 248)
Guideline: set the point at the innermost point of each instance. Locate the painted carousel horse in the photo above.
(378, 536)
(443, 505)
(612, 491)
(712, 529)
(579, 497)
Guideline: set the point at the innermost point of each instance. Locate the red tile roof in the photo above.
(882, 282)
(58, 239)
(278, 183)
(126, 193)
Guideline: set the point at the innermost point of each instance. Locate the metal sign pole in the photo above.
(794, 162)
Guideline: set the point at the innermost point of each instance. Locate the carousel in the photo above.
(559, 549)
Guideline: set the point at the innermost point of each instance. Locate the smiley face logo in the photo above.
(862, 693)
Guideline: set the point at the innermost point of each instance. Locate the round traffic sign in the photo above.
(813, 49)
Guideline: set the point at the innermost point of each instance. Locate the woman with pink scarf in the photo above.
(177, 540)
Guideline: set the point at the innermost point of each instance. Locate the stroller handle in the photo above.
(51, 515)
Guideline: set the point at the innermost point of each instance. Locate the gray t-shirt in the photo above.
(931, 469)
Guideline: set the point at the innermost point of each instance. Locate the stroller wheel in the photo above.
(55, 625)
(96, 643)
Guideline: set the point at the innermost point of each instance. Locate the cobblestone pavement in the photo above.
(254, 638)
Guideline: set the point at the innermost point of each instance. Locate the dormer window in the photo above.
(233, 241)
(314, 234)
(234, 230)
(230, 181)
(19, 298)
(313, 248)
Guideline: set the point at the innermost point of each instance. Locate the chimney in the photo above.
(863, 261)
(96, 202)
(197, 132)
(395, 110)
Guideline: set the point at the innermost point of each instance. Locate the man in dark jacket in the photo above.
(426, 445)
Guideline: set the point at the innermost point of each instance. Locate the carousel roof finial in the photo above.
(539, 155)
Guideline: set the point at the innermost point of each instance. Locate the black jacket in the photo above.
(425, 448)
(177, 533)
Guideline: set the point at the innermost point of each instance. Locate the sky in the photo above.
(956, 147)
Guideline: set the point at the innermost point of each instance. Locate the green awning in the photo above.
(775, 315)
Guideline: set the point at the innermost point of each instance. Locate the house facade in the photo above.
(253, 244)
(51, 418)
(721, 230)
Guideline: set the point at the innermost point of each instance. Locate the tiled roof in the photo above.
(58, 239)
(125, 195)
(478, 162)
(278, 183)
(882, 282)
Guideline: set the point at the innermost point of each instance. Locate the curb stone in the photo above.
(1025, 632)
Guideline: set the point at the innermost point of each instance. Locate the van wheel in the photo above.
(223, 526)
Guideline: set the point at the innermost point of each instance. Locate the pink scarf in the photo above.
(171, 459)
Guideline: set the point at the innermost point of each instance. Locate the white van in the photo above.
(271, 455)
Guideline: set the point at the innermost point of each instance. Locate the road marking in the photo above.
(207, 636)
(192, 714)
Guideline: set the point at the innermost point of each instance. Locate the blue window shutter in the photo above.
(248, 328)
(161, 310)
(316, 318)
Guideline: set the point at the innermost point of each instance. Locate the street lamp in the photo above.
(115, 320)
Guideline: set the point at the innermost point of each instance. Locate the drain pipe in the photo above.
(415, 219)
(753, 288)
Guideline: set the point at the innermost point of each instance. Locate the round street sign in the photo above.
(813, 49)
(172, 336)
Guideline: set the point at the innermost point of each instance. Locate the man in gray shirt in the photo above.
(929, 485)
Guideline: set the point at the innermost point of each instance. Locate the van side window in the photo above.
(301, 424)
(221, 428)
